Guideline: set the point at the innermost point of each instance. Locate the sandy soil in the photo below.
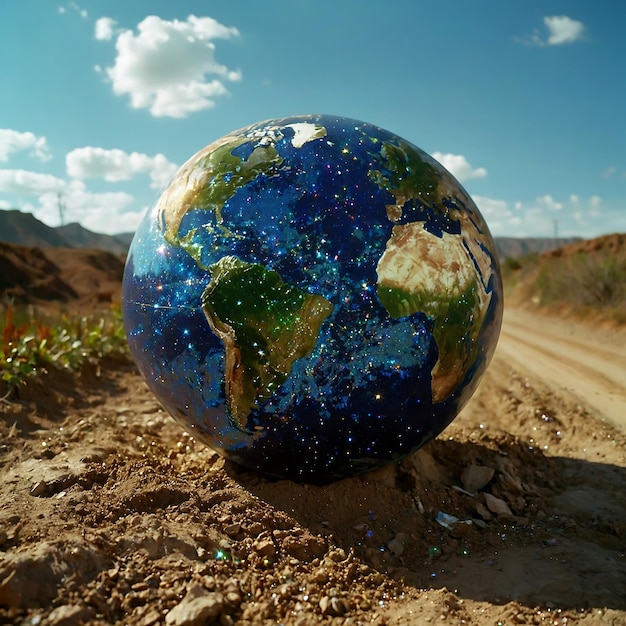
(110, 513)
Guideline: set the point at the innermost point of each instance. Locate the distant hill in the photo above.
(25, 229)
(514, 248)
(585, 279)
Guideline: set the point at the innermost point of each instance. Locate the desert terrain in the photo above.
(110, 513)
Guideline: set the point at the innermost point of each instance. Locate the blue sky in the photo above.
(524, 102)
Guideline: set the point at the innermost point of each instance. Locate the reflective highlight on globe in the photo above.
(313, 297)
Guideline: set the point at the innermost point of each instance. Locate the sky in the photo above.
(524, 102)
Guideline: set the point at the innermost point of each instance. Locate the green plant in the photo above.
(30, 345)
(585, 280)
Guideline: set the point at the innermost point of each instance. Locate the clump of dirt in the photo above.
(111, 513)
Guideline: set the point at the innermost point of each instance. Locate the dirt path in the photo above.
(111, 514)
(583, 362)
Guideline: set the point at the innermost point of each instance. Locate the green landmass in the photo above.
(411, 177)
(225, 174)
(265, 325)
(457, 321)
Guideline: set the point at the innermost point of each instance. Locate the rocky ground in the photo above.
(111, 514)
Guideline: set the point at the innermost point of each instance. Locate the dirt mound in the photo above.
(49, 276)
(609, 244)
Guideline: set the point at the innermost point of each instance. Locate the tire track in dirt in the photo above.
(575, 359)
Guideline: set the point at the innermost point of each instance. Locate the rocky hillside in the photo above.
(25, 229)
(514, 248)
(77, 278)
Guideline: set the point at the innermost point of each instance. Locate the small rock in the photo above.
(232, 530)
(39, 489)
(265, 547)
(68, 615)
(482, 510)
(476, 477)
(496, 505)
(397, 544)
(305, 548)
(320, 576)
(337, 555)
(196, 608)
(332, 606)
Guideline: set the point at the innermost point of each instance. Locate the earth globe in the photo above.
(313, 297)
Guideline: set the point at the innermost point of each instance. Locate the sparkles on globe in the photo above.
(313, 297)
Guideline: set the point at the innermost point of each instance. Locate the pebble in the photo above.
(476, 477)
(196, 608)
(397, 544)
(496, 505)
(39, 489)
(265, 547)
(68, 615)
(332, 606)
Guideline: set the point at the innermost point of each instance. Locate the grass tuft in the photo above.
(29, 344)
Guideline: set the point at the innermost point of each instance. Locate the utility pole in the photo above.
(61, 206)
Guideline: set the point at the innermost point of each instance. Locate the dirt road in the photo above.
(111, 514)
(583, 362)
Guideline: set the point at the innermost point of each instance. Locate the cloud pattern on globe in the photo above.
(313, 297)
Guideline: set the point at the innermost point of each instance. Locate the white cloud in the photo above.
(563, 29)
(116, 165)
(105, 28)
(548, 202)
(15, 141)
(576, 216)
(100, 212)
(22, 182)
(169, 67)
(609, 171)
(491, 206)
(459, 166)
(72, 5)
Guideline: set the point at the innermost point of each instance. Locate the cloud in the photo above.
(548, 202)
(116, 165)
(105, 28)
(15, 141)
(72, 5)
(100, 212)
(459, 167)
(575, 216)
(561, 30)
(169, 67)
(24, 183)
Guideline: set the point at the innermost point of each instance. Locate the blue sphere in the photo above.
(313, 297)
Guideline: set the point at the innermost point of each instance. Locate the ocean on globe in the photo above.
(313, 297)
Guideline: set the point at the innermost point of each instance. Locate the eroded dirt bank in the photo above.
(110, 513)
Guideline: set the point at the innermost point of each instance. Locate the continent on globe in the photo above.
(419, 272)
(264, 324)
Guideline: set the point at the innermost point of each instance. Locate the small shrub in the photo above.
(30, 344)
(597, 281)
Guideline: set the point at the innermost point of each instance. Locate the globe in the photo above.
(313, 297)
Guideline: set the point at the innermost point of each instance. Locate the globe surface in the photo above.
(313, 297)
